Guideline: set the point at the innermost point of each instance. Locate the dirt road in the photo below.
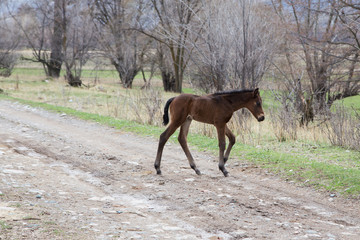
(64, 178)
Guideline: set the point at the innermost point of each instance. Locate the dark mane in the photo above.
(232, 92)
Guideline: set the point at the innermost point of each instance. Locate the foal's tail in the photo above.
(166, 110)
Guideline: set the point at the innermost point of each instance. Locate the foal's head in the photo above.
(255, 105)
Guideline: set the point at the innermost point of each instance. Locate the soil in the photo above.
(65, 178)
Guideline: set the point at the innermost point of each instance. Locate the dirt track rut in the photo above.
(64, 178)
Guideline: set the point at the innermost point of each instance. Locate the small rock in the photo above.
(283, 225)
(63, 115)
(38, 196)
(189, 180)
(25, 129)
(33, 226)
(332, 195)
(312, 232)
(330, 236)
(239, 234)
(233, 201)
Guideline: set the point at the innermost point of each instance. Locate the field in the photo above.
(308, 159)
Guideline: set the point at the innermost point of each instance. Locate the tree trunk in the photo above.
(54, 66)
(168, 81)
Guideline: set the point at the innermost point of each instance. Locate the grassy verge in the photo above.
(318, 165)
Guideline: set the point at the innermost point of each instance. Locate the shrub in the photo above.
(343, 128)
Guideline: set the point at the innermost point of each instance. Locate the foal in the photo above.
(216, 109)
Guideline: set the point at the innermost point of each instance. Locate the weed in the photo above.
(58, 232)
(4, 225)
(17, 205)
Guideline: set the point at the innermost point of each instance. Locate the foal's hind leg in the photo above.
(163, 139)
(222, 145)
(184, 130)
(231, 138)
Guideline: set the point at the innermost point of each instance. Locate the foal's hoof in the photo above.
(158, 171)
(196, 170)
(223, 170)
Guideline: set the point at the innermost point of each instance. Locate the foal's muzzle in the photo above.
(261, 118)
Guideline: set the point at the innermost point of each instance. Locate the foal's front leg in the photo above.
(222, 145)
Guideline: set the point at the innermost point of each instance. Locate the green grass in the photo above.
(4, 225)
(28, 72)
(352, 102)
(321, 166)
(312, 168)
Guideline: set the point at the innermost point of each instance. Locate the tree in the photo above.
(115, 21)
(78, 40)
(349, 37)
(57, 32)
(329, 64)
(235, 45)
(41, 32)
(171, 25)
(57, 39)
(9, 41)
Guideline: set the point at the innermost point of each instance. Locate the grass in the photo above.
(4, 225)
(309, 160)
(351, 102)
(312, 168)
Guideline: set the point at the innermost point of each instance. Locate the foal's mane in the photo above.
(233, 92)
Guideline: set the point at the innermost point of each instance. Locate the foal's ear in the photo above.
(256, 92)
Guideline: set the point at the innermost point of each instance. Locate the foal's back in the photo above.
(207, 109)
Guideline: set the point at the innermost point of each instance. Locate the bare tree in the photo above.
(57, 38)
(78, 40)
(349, 38)
(349, 14)
(34, 23)
(171, 26)
(330, 66)
(9, 41)
(41, 24)
(57, 31)
(235, 46)
(121, 44)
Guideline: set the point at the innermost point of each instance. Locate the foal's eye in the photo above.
(258, 104)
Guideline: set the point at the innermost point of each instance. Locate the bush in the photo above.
(343, 128)
(147, 106)
(285, 117)
(7, 63)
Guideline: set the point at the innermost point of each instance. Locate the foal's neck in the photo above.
(238, 100)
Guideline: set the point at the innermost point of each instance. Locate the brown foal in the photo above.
(216, 109)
